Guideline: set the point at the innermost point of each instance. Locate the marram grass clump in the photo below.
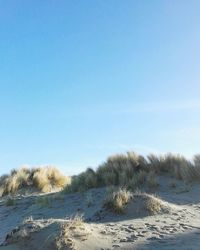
(49, 178)
(135, 171)
(116, 200)
(44, 179)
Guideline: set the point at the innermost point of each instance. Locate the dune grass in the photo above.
(83, 182)
(70, 231)
(176, 166)
(134, 171)
(151, 180)
(48, 178)
(153, 204)
(117, 200)
(128, 170)
(44, 179)
(15, 181)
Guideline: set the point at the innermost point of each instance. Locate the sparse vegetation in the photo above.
(71, 230)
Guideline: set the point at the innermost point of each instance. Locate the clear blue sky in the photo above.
(80, 80)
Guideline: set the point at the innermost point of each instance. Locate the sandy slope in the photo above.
(179, 228)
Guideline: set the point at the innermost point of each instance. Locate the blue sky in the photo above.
(80, 80)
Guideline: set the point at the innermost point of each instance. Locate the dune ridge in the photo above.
(128, 202)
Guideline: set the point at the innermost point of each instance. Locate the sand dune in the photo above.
(43, 221)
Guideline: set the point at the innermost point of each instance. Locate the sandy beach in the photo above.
(31, 225)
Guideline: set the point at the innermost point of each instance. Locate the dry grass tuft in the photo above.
(17, 179)
(48, 178)
(117, 200)
(44, 179)
(153, 204)
(72, 230)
